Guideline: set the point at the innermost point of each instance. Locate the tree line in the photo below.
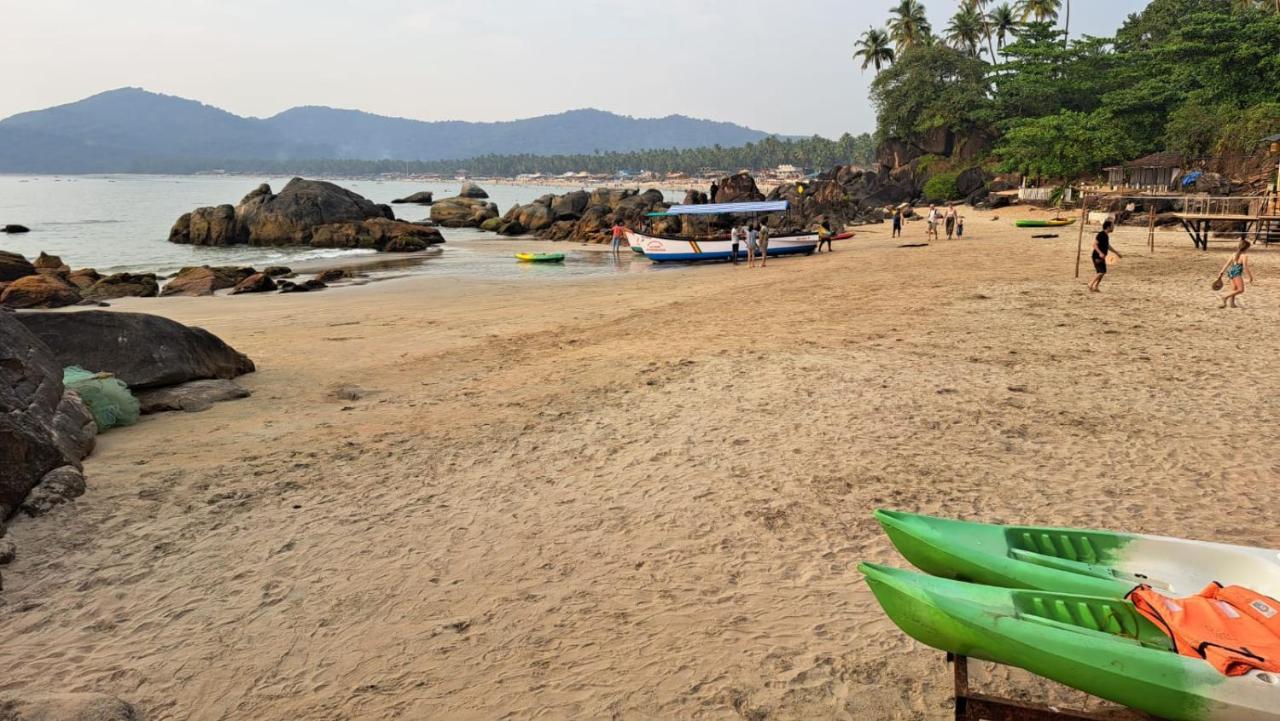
(1196, 77)
(815, 152)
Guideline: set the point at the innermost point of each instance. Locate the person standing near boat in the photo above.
(753, 239)
(764, 244)
(933, 217)
(1235, 270)
(1101, 247)
(735, 237)
(619, 234)
(824, 235)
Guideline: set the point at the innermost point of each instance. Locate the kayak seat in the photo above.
(1089, 614)
(1060, 543)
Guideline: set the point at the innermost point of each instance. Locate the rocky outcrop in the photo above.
(420, 198)
(43, 290)
(289, 286)
(57, 487)
(192, 397)
(84, 278)
(462, 212)
(123, 285)
(256, 283)
(41, 426)
(276, 271)
(45, 263)
(15, 228)
(304, 212)
(471, 190)
(144, 351)
(13, 266)
(204, 280)
(740, 188)
(394, 236)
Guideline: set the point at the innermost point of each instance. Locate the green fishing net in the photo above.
(107, 397)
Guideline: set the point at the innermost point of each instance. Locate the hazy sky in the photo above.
(778, 66)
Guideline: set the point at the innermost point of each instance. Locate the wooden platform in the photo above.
(1198, 225)
(972, 706)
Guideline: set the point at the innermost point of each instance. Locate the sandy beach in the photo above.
(642, 496)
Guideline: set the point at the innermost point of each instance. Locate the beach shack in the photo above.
(1158, 171)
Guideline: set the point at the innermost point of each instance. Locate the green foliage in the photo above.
(1194, 129)
(930, 88)
(941, 188)
(1243, 132)
(1065, 145)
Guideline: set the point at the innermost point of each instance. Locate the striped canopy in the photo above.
(776, 206)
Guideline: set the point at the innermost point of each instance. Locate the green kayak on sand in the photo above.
(1101, 646)
(540, 257)
(1073, 560)
(1051, 223)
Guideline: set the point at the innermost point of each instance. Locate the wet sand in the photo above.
(637, 497)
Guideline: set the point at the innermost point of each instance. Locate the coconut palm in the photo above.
(909, 24)
(874, 48)
(1041, 10)
(1004, 23)
(964, 32)
(980, 7)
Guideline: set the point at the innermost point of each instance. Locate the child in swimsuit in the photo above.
(1235, 271)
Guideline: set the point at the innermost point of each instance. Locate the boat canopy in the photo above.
(776, 206)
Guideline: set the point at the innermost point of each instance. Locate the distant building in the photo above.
(1157, 171)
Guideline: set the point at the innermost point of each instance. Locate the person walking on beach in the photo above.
(764, 244)
(959, 226)
(619, 234)
(735, 238)
(1101, 247)
(824, 236)
(952, 215)
(933, 217)
(897, 222)
(753, 246)
(1235, 270)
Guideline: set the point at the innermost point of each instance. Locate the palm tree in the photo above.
(1041, 10)
(909, 24)
(965, 31)
(874, 48)
(1004, 23)
(980, 7)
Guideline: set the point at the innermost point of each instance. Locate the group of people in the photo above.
(756, 238)
(950, 219)
(1231, 277)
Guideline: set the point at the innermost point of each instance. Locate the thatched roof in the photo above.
(1157, 160)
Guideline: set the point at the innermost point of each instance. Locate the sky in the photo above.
(780, 67)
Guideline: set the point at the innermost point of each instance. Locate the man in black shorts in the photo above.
(1102, 246)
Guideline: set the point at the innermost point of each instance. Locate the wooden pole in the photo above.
(1084, 218)
(1151, 229)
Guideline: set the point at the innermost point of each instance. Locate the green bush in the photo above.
(941, 188)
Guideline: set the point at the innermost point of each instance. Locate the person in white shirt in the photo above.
(735, 238)
(753, 239)
(934, 216)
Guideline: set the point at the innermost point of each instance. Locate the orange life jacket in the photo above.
(1234, 629)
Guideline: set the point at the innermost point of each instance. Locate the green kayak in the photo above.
(1073, 560)
(1101, 646)
(540, 257)
(1050, 223)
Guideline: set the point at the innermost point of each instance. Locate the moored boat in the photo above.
(662, 249)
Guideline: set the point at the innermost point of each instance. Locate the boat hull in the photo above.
(1101, 646)
(1074, 560)
(1044, 223)
(667, 250)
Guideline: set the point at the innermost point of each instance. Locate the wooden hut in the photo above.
(1158, 171)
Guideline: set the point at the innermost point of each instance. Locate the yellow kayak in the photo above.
(540, 257)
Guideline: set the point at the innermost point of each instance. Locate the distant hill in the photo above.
(132, 129)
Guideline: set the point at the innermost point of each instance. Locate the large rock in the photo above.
(144, 351)
(14, 266)
(423, 197)
(205, 280)
(740, 188)
(84, 278)
(971, 181)
(214, 225)
(123, 285)
(44, 290)
(31, 396)
(256, 283)
(45, 263)
(65, 707)
(190, 397)
(462, 212)
(15, 228)
(292, 216)
(471, 190)
(57, 487)
(571, 206)
(377, 233)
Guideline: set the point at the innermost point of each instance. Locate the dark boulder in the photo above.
(124, 285)
(471, 190)
(190, 397)
(971, 181)
(292, 215)
(32, 440)
(57, 487)
(205, 280)
(256, 283)
(144, 351)
(378, 234)
(84, 278)
(212, 226)
(406, 244)
(740, 188)
(695, 197)
(45, 263)
(304, 287)
(423, 197)
(570, 206)
(13, 266)
(275, 271)
(15, 228)
(462, 212)
(40, 291)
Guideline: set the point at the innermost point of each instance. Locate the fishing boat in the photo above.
(663, 249)
(1074, 560)
(540, 257)
(1047, 223)
(1102, 646)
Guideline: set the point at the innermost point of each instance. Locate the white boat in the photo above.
(662, 249)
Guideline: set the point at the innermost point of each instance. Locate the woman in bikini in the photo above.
(1235, 271)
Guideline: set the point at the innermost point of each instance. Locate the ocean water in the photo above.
(118, 223)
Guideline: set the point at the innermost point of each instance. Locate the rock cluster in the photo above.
(462, 212)
(583, 216)
(420, 198)
(305, 212)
